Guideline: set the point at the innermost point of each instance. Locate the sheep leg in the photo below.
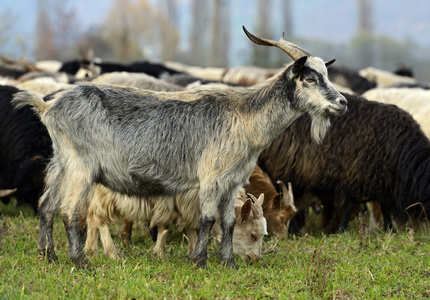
(192, 238)
(160, 245)
(374, 215)
(125, 232)
(386, 214)
(91, 243)
(348, 208)
(293, 227)
(107, 241)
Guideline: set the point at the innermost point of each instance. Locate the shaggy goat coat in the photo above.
(155, 144)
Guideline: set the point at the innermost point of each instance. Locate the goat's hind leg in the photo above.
(49, 204)
(72, 208)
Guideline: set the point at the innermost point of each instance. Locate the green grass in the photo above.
(353, 265)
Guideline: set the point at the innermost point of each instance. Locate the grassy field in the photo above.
(353, 265)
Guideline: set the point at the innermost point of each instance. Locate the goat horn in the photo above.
(256, 207)
(294, 51)
(287, 193)
(253, 199)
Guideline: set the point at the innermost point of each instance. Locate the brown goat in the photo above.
(278, 207)
(250, 227)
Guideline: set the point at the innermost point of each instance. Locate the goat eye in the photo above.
(310, 80)
(254, 236)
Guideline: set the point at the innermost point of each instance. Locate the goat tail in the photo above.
(32, 99)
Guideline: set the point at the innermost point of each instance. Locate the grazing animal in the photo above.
(374, 151)
(12, 73)
(404, 70)
(207, 73)
(247, 75)
(249, 230)
(415, 101)
(135, 141)
(106, 206)
(95, 68)
(350, 78)
(186, 80)
(278, 207)
(25, 149)
(384, 78)
(138, 80)
(44, 85)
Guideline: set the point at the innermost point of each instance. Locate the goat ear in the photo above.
(298, 65)
(329, 63)
(246, 210)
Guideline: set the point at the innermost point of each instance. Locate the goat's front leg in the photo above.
(208, 210)
(227, 220)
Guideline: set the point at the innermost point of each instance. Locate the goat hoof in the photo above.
(49, 254)
(81, 262)
(230, 263)
(200, 262)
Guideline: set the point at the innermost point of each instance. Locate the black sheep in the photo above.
(374, 151)
(350, 78)
(25, 149)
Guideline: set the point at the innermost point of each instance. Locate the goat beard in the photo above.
(319, 127)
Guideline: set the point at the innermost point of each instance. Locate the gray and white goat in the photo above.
(153, 144)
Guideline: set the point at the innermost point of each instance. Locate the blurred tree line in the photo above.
(143, 29)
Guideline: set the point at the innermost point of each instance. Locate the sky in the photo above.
(331, 20)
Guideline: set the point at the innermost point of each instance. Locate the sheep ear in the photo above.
(329, 63)
(298, 65)
(246, 210)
